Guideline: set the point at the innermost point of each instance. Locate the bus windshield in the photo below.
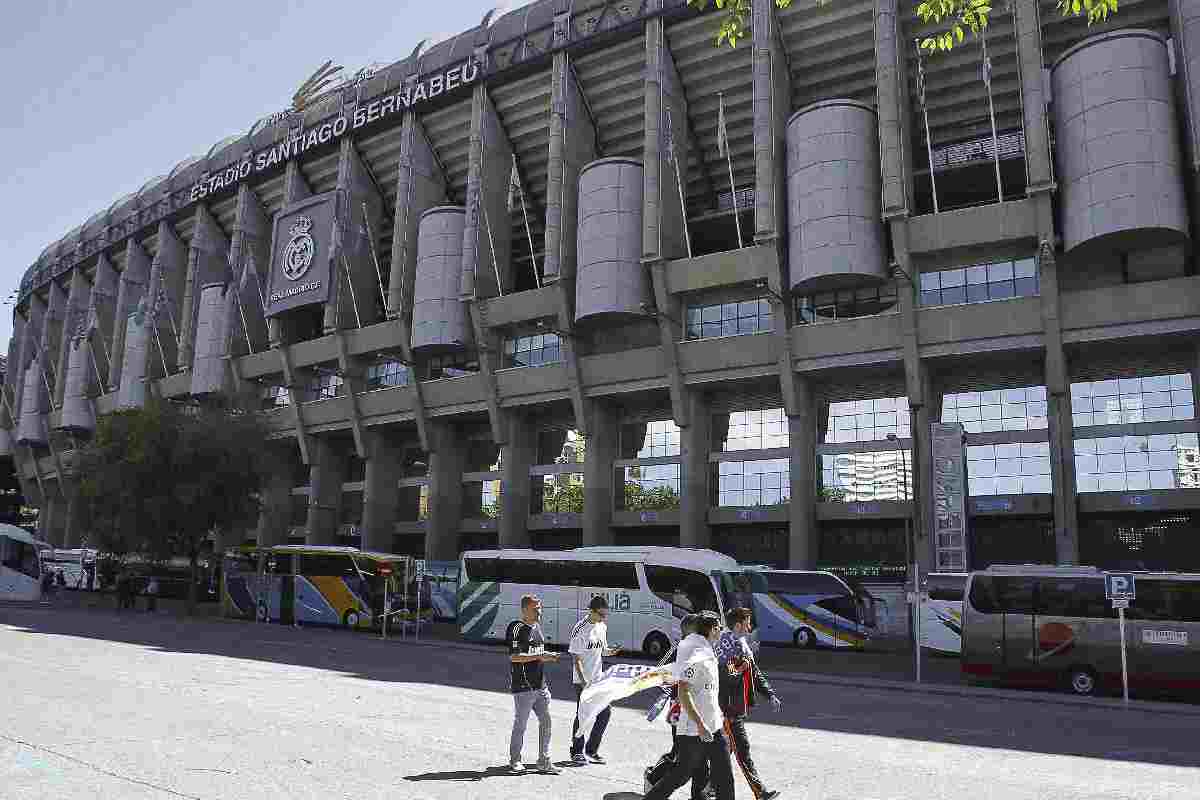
(688, 591)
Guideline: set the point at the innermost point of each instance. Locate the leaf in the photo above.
(958, 31)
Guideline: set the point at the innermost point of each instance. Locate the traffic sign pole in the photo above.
(420, 578)
(1124, 668)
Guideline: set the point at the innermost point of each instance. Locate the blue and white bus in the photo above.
(20, 565)
(649, 590)
(807, 609)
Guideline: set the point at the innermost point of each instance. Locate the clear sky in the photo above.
(100, 97)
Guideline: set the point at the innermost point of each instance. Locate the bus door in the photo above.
(1162, 633)
(1015, 596)
(283, 588)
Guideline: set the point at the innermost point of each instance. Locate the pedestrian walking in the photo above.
(655, 772)
(530, 688)
(152, 594)
(741, 683)
(589, 645)
(700, 736)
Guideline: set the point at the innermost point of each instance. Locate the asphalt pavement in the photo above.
(152, 706)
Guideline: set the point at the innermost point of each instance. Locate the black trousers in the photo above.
(692, 755)
(593, 742)
(735, 727)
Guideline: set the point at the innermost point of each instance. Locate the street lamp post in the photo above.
(910, 547)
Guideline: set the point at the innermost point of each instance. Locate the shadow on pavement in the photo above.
(1020, 724)
(467, 775)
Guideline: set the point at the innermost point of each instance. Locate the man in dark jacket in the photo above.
(741, 683)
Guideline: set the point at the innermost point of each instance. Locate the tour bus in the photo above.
(649, 590)
(807, 609)
(322, 585)
(20, 566)
(941, 612)
(442, 589)
(77, 566)
(1041, 625)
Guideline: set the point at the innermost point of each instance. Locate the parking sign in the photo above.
(420, 569)
(1119, 586)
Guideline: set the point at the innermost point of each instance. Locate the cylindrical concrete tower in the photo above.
(32, 427)
(212, 337)
(835, 233)
(1120, 170)
(609, 278)
(439, 316)
(77, 414)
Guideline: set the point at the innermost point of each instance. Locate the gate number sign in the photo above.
(1119, 586)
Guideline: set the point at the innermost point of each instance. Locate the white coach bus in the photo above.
(649, 589)
(20, 565)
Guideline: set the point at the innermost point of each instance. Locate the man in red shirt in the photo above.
(741, 681)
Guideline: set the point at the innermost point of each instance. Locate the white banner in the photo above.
(618, 682)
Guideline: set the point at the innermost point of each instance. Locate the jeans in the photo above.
(537, 701)
(593, 742)
(692, 755)
(735, 729)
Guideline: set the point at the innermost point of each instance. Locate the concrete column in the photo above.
(772, 87)
(892, 108)
(383, 470)
(274, 515)
(249, 254)
(131, 287)
(74, 528)
(359, 210)
(487, 236)
(74, 315)
(447, 459)
(804, 539)
(206, 266)
(12, 390)
(420, 185)
(663, 234)
(599, 478)
(327, 467)
(1195, 370)
(518, 454)
(52, 523)
(52, 334)
(1030, 60)
(167, 274)
(922, 461)
(695, 444)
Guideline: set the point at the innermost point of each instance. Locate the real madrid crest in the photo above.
(300, 249)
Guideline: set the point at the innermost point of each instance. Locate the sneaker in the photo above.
(546, 768)
(771, 795)
(579, 758)
(646, 785)
(516, 767)
(595, 758)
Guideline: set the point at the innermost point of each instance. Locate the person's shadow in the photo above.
(490, 772)
(623, 796)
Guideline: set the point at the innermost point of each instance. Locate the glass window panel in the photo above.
(977, 275)
(954, 296)
(931, 298)
(1184, 412)
(1162, 480)
(929, 281)
(1025, 287)
(1181, 381)
(977, 293)
(1001, 290)
(1112, 482)
(1135, 481)
(1025, 268)
(952, 278)
(1104, 388)
(1000, 271)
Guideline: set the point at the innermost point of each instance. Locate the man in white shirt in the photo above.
(589, 645)
(701, 737)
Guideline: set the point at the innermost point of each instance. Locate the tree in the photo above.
(955, 17)
(160, 479)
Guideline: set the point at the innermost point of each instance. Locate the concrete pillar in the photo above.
(1030, 61)
(420, 185)
(804, 538)
(694, 530)
(518, 454)
(52, 334)
(1195, 370)
(52, 523)
(663, 221)
(274, 515)
(772, 87)
(206, 265)
(922, 461)
(249, 254)
(487, 236)
(167, 274)
(383, 470)
(359, 210)
(447, 458)
(599, 477)
(75, 527)
(327, 468)
(74, 316)
(892, 110)
(131, 287)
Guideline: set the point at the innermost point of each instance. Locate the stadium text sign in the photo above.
(408, 97)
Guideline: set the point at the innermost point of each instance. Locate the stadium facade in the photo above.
(781, 299)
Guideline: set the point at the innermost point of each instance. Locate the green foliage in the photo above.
(736, 22)
(660, 498)
(567, 499)
(158, 480)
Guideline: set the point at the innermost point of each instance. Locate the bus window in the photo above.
(318, 564)
(944, 592)
(1175, 601)
(1072, 597)
(844, 607)
(279, 564)
(1015, 595)
(687, 591)
(983, 595)
(19, 557)
(609, 575)
(482, 569)
(805, 583)
(523, 570)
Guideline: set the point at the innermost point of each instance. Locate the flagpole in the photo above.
(245, 325)
(514, 182)
(374, 257)
(492, 244)
(170, 315)
(687, 237)
(95, 366)
(987, 81)
(161, 353)
(925, 114)
(350, 281)
(723, 144)
(46, 381)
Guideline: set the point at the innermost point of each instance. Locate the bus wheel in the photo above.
(351, 619)
(655, 646)
(805, 638)
(1082, 680)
